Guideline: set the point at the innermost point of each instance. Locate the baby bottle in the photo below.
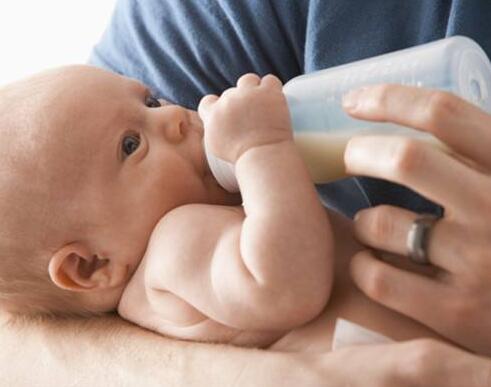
(321, 127)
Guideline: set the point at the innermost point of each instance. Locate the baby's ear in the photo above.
(74, 267)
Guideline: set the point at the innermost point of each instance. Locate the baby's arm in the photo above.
(267, 266)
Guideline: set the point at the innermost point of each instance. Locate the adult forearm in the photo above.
(97, 351)
(107, 351)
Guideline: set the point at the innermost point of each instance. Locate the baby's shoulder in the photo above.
(185, 232)
(189, 220)
(194, 211)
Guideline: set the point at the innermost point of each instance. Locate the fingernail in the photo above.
(351, 99)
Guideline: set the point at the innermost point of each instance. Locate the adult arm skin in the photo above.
(107, 351)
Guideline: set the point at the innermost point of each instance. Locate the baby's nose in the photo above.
(172, 123)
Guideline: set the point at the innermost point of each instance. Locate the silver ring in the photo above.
(418, 237)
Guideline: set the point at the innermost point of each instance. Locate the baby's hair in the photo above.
(27, 241)
(30, 208)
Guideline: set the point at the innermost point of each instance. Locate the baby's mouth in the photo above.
(195, 122)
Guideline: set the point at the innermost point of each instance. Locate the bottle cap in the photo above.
(473, 73)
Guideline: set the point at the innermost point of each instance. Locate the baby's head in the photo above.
(90, 161)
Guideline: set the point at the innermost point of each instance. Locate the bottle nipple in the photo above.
(223, 171)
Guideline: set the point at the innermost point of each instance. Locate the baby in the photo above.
(98, 179)
(108, 203)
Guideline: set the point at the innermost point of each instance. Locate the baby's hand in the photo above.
(252, 114)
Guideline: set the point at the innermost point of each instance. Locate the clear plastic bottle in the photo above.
(322, 128)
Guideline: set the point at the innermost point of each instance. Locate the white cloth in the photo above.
(347, 333)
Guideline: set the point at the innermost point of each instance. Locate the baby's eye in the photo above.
(130, 144)
(152, 102)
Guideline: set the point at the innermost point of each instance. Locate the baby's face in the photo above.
(132, 158)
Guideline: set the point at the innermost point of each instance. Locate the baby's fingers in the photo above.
(248, 80)
(206, 105)
(271, 81)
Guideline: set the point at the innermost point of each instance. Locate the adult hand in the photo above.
(456, 299)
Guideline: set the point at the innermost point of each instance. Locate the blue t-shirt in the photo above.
(185, 49)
